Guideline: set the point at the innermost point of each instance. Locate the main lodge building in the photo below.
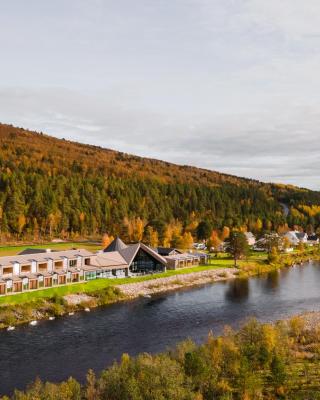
(36, 268)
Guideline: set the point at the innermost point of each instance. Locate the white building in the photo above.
(250, 238)
(296, 237)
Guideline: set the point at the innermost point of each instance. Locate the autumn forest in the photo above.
(56, 188)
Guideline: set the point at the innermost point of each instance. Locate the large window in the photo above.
(91, 275)
(144, 263)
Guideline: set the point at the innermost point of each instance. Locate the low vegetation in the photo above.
(19, 310)
(260, 361)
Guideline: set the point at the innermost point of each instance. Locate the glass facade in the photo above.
(91, 275)
(145, 263)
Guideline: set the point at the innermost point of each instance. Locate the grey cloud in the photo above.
(225, 85)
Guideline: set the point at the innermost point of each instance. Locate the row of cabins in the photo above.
(36, 269)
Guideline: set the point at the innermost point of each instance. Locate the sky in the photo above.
(228, 85)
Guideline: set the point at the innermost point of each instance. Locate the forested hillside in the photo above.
(51, 187)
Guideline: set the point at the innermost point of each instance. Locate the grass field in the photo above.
(13, 250)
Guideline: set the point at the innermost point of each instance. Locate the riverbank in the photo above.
(44, 304)
(247, 268)
(57, 306)
(160, 285)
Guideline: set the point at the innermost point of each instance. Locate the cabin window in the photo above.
(42, 267)
(25, 268)
(48, 282)
(58, 264)
(87, 261)
(72, 263)
(2, 289)
(7, 270)
(33, 284)
(17, 286)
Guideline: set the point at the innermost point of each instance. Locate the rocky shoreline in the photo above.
(160, 285)
(311, 319)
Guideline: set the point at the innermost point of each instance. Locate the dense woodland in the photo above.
(56, 188)
(259, 362)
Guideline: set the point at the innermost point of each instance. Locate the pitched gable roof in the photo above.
(44, 257)
(108, 259)
(131, 251)
(300, 235)
(116, 245)
(32, 251)
(166, 251)
(153, 253)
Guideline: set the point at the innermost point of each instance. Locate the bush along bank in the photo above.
(278, 261)
(56, 306)
(259, 362)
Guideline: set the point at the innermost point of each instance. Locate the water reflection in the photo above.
(238, 291)
(272, 281)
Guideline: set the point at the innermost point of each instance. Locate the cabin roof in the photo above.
(166, 251)
(109, 259)
(44, 257)
(116, 245)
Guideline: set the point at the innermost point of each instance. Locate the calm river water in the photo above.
(71, 345)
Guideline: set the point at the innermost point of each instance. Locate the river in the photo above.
(54, 350)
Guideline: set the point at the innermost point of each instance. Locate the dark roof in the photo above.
(31, 251)
(166, 251)
(116, 245)
(313, 237)
(130, 252)
(300, 235)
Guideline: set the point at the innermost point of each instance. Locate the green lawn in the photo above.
(13, 250)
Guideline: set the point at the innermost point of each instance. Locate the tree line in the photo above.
(51, 187)
(260, 361)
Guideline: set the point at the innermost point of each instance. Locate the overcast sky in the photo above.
(229, 85)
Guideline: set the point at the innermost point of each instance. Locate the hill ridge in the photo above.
(57, 187)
